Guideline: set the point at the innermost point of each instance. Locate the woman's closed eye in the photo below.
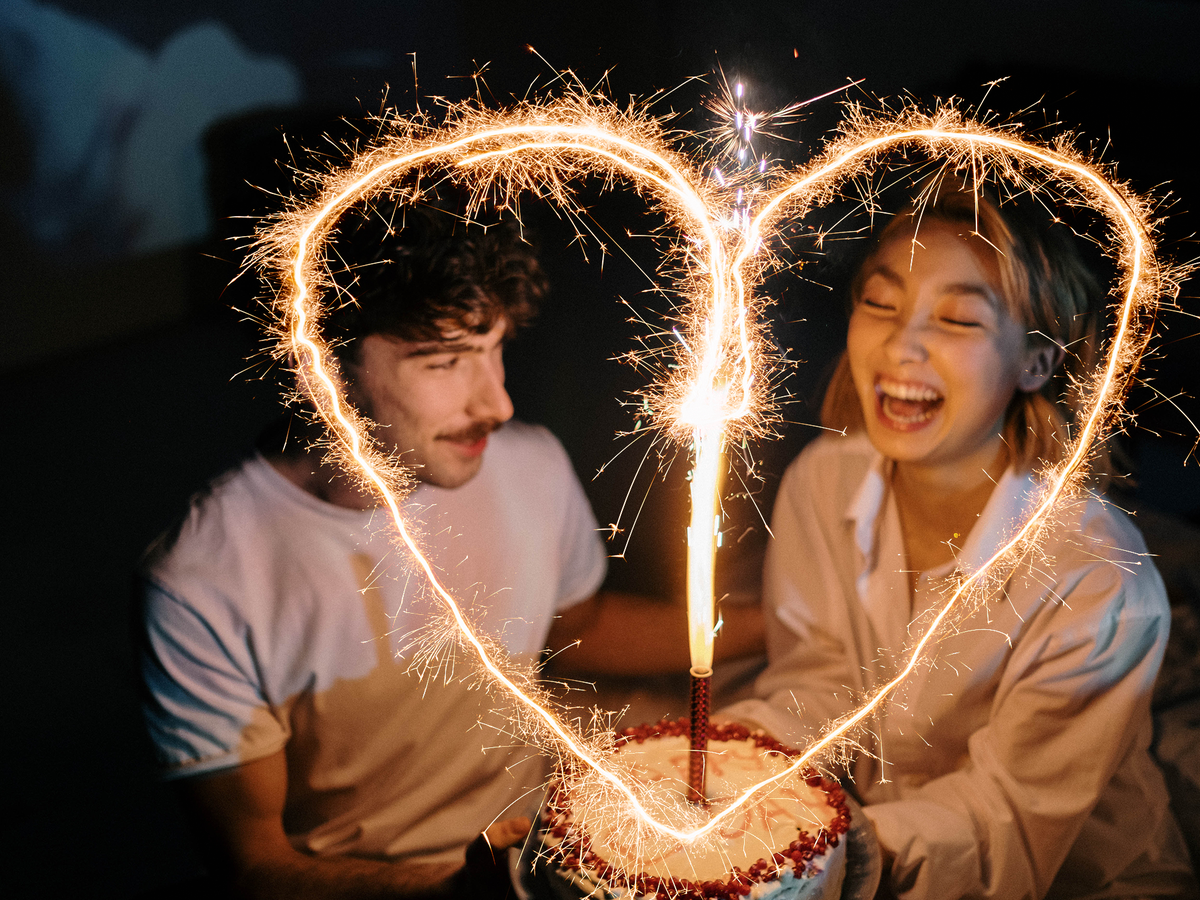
(967, 312)
(877, 304)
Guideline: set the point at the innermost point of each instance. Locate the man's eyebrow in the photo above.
(435, 347)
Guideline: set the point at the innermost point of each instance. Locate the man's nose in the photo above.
(489, 398)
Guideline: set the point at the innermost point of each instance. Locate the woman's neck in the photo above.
(937, 513)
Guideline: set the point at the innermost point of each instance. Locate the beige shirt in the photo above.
(1016, 764)
(277, 621)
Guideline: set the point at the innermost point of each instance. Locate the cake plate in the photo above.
(864, 861)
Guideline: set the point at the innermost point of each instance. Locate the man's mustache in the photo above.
(473, 433)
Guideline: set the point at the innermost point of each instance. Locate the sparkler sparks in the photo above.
(718, 391)
(741, 124)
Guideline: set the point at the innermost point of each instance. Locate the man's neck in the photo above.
(310, 472)
(290, 448)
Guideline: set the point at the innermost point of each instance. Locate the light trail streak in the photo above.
(718, 390)
(296, 250)
(1144, 280)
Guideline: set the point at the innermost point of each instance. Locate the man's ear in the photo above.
(1041, 361)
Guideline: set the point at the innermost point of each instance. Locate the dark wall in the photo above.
(138, 389)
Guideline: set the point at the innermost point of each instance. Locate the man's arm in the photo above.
(240, 814)
(622, 634)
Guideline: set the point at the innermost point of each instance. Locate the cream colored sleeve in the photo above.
(812, 677)
(1067, 728)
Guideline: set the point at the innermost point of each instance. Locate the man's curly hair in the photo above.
(422, 272)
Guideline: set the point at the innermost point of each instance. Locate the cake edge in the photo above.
(575, 862)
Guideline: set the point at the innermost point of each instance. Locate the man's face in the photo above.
(435, 402)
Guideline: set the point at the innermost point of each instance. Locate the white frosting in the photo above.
(753, 833)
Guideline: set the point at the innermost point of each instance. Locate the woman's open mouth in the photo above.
(905, 404)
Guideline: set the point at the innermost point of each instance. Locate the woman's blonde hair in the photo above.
(1044, 285)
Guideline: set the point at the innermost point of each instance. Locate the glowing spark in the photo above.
(743, 125)
(534, 148)
(717, 392)
(702, 543)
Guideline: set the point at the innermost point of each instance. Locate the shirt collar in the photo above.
(1010, 502)
(864, 509)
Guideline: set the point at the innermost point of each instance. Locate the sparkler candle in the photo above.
(703, 536)
(717, 391)
(698, 735)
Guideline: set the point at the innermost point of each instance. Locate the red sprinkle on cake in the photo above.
(788, 844)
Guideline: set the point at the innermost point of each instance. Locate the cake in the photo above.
(788, 844)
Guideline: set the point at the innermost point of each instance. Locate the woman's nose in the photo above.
(906, 342)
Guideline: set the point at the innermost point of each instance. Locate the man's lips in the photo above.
(906, 405)
(470, 441)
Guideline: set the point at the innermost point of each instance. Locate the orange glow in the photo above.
(717, 392)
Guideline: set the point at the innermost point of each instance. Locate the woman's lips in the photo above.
(906, 405)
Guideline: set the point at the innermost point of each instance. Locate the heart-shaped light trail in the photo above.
(716, 392)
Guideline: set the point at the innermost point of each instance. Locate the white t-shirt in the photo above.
(276, 621)
(1017, 764)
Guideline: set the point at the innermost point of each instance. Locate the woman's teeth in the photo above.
(908, 404)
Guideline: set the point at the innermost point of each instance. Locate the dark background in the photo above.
(130, 379)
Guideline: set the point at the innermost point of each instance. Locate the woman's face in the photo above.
(935, 356)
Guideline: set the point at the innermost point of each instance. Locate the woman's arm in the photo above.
(1067, 731)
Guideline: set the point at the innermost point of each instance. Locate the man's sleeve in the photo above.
(203, 706)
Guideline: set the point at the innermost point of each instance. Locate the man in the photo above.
(281, 616)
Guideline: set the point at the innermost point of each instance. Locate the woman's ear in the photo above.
(1041, 361)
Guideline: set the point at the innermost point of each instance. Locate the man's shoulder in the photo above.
(526, 447)
(232, 515)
